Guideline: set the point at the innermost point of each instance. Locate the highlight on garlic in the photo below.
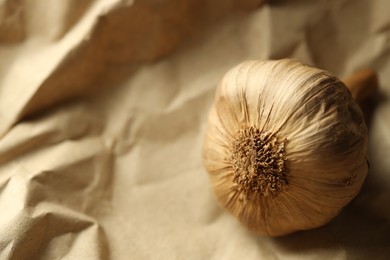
(285, 147)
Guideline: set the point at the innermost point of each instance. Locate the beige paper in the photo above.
(103, 108)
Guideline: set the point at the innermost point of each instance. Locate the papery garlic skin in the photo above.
(319, 141)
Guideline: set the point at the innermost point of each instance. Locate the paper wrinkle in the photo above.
(73, 179)
(12, 26)
(69, 124)
(49, 210)
(18, 91)
(33, 226)
(79, 57)
(103, 113)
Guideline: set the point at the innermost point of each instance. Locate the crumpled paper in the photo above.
(103, 108)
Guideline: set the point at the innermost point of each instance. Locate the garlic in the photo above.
(286, 146)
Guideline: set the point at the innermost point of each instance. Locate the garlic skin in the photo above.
(285, 147)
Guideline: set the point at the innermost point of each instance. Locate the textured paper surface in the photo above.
(103, 108)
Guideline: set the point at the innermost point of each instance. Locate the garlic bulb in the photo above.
(286, 146)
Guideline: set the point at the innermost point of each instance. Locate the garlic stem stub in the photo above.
(285, 147)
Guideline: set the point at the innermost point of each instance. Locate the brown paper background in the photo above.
(103, 109)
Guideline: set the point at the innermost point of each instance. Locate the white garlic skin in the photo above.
(325, 145)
